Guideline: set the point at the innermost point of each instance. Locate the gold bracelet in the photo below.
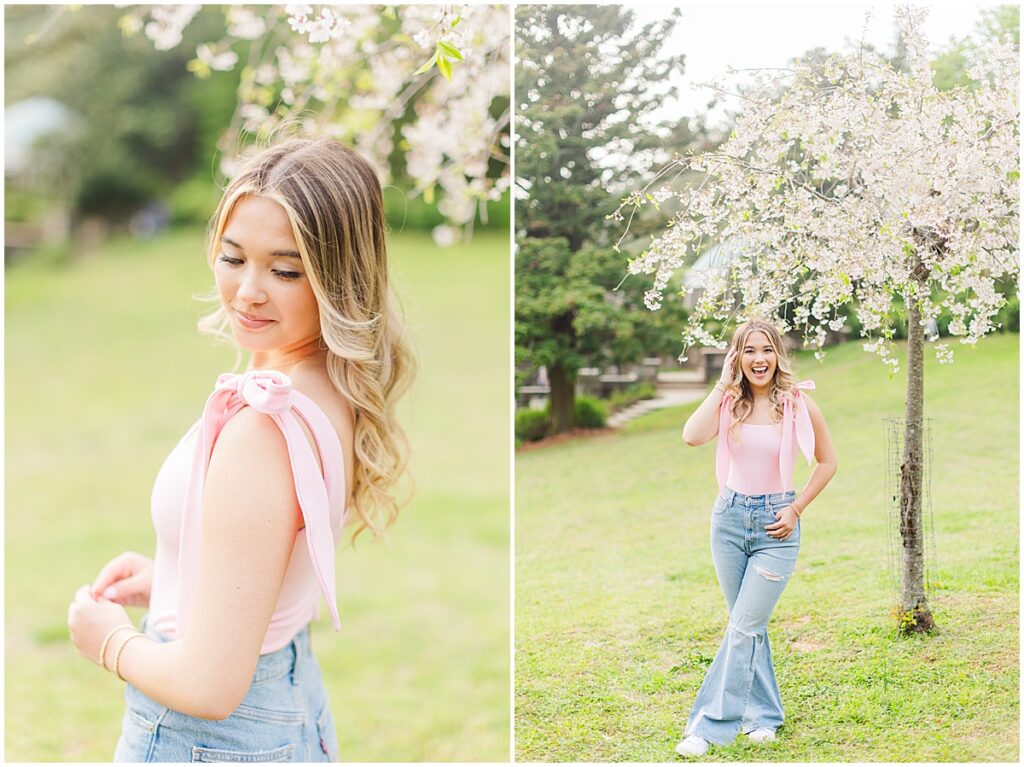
(117, 655)
(106, 641)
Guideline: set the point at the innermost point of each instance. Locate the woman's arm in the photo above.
(702, 425)
(824, 455)
(250, 520)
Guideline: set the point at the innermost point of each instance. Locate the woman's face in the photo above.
(757, 359)
(261, 280)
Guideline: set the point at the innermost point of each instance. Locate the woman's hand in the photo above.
(89, 621)
(127, 579)
(702, 425)
(784, 524)
(729, 366)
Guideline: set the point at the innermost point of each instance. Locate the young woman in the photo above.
(250, 503)
(761, 418)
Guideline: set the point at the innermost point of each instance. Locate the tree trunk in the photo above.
(914, 613)
(563, 398)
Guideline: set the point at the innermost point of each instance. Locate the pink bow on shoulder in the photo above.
(269, 392)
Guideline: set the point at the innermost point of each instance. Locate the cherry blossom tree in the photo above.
(424, 88)
(851, 183)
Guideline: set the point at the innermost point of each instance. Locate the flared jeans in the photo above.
(739, 692)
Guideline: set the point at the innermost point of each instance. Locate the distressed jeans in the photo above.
(284, 717)
(739, 691)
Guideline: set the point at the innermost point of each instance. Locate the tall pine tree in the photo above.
(588, 82)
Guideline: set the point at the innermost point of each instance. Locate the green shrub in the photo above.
(531, 424)
(1009, 316)
(21, 206)
(943, 320)
(406, 213)
(590, 413)
(114, 194)
(193, 201)
(624, 398)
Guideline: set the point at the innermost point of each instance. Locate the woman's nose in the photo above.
(250, 289)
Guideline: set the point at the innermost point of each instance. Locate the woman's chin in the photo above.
(247, 342)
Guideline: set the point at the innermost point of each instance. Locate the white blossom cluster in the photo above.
(356, 73)
(852, 182)
(163, 24)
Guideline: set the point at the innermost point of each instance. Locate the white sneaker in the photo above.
(692, 745)
(761, 735)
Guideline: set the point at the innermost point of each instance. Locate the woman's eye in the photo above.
(229, 260)
(287, 275)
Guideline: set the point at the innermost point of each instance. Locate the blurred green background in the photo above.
(105, 370)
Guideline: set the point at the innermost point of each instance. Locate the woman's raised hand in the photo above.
(126, 579)
(729, 366)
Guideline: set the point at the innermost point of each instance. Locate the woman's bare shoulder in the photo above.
(317, 385)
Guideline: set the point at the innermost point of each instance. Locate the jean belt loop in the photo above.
(293, 674)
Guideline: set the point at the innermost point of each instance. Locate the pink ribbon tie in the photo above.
(799, 420)
(266, 391)
(269, 392)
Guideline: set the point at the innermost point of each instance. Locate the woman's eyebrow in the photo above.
(288, 253)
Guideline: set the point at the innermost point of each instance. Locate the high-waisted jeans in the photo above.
(283, 718)
(740, 691)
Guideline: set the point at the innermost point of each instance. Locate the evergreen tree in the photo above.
(588, 82)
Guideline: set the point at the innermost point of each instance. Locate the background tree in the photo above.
(863, 184)
(147, 126)
(568, 316)
(420, 90)
(588, 86)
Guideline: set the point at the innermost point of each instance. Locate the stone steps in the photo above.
(666, 397)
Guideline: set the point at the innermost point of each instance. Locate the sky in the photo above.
(768, 34)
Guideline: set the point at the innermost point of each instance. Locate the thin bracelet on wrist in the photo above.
(117, 655)
(106, 641)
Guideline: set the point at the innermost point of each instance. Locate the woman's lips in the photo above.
(251, 322)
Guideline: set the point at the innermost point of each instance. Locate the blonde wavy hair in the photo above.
(333, 199)
(782, 384)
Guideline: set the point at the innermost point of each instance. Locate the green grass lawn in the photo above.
(618, 612)
(105, 371)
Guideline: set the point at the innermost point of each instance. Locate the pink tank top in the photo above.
(762, 460)
(177, 506)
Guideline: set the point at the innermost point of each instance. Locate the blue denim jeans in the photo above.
(739, 691)
(283, 718)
